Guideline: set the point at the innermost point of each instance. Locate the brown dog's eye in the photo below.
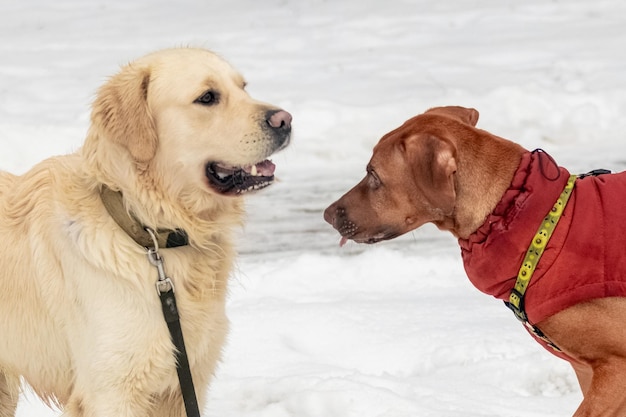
(208, 98)
(373, 179)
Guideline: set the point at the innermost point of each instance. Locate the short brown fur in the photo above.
(458, 174)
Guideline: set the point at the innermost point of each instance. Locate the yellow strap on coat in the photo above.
(536, 249)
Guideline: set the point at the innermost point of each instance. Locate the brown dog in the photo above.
(492, 195)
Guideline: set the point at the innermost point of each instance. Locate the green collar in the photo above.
(533, 255)
(537, 246)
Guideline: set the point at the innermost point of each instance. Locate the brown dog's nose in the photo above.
(336, 216)
(329, 214)
(279, 119)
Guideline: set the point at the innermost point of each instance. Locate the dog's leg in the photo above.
(593, 336)
(605, 395)
(118, 403)
(169, 406)
(127, 390)
(584, 375)
(9, 393)
(74, 408)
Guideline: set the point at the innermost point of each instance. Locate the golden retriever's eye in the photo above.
(209, 98)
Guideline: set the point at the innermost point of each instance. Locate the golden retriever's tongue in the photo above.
(343, 241)
(264, 169)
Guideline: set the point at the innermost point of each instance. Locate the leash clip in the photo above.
(164, 283)
(165, 291)
(594, 173)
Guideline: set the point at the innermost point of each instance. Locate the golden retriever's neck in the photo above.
(158, 238)
(207, 219)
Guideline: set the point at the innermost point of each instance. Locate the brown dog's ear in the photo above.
(433, 161)
(121, 113)
(464, 114)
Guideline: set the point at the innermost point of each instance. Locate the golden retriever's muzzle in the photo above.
(232, 180)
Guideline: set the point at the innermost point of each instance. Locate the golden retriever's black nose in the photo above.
(279, 119)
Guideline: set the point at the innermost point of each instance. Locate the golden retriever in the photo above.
(177, 138)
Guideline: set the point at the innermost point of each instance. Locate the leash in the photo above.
(165, 290)
(534, 252)
(152, 240)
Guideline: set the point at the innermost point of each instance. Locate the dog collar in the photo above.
(166, 238)
(534, 252)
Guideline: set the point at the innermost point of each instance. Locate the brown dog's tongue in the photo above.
(343, 241)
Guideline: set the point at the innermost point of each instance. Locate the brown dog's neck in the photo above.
(485, 171)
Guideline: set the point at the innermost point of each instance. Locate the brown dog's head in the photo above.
(410, 179)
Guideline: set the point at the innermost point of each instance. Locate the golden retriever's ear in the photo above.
(464, 114)
(121, 113)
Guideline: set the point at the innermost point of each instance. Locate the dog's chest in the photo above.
(583, 259)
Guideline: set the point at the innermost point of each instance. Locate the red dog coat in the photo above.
(584, 259)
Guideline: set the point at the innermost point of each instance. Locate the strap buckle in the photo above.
(536, 331)
(516, 305)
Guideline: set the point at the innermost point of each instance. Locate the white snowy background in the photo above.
(390, 330)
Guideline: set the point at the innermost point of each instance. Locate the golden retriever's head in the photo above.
(180, 120)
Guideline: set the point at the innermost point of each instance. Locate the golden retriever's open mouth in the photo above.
(227, 179)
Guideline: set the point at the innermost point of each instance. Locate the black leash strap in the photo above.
(165, 289)
(170, 312)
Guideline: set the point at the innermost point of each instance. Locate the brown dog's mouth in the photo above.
(232, 180)
(369, 240)
(337, 216)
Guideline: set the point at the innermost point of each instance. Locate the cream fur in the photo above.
(80, 320)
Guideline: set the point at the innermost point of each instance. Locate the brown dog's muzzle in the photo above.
(336, 216)
(362, 231)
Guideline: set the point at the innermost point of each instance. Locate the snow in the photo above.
(389, 330)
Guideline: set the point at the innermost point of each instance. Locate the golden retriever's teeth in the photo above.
(253, 171)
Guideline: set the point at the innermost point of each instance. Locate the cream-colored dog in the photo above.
(174, 141)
